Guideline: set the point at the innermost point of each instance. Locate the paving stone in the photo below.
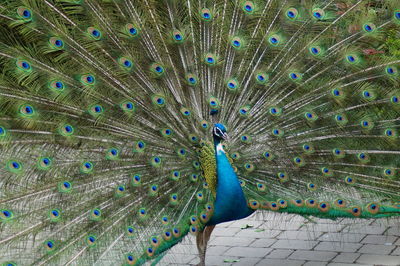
(232, 241)
(294, 244)
(356, 222)
(379, 239)
(315, 263)
(216, 260)
(226, 224)
(242, 223)
(322, 227)
(169, 259)
(346, 264)
(326, 221)
(250, 252)
(188, 240)
(192, 262)
(256, 233)
(184, 249)
(369, 229)
(376, 249)
(246, 262)
(338, 246)
(294, 218)
(276, 217)
(393, 221)
(278, 262)
(396, 251)
(299, 235)
(225, 231)
(342, 237)
(219, 260)
(263, 242)
(347, 257)
(312, 255)
(216, 250)
(280, 253)
(286, 225)
(393, 231)
(378, 259)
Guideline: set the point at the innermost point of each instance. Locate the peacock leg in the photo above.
(202, 239)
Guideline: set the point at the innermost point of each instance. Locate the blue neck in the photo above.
(230, 203)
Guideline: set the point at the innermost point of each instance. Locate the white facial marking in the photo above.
(220, 149)
(218, 132)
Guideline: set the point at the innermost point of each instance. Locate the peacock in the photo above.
(127, 124)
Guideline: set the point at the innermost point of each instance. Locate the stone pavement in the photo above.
(274, 239)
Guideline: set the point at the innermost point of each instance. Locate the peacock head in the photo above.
(219, 132)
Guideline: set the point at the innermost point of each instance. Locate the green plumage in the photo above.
(209, 166)
(105, 107)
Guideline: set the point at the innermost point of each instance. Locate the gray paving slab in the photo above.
(379, 239)
(396, 252)
(178, 259)
(378, 259)
(225, 231)
(278, 239)
(312, 255)
(263, 242)
(342, 237)
(315, 263)
(257, 233)
(246, 261)
(243, 223)
(217, 250)
(394, 230)
(232, 241)
(376, 249)
(287, 225)
(300, 235)
(369, 229)
(392, 221)
(347, 264)
(227, 224)
(294, 244)
(280, 262)
(338, 246)
(184, 249)
(322, 227)
(346, 257)
(280, 253)
(220, 260)
(250, 252)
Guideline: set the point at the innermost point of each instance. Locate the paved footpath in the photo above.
(275, 239)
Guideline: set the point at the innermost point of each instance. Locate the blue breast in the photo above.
(230, 203)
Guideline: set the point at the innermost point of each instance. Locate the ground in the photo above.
(278, 239)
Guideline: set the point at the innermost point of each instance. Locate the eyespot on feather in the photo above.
(56, 43)
(292, 13)
(130, 259)
(206, 14)
(248, 7)
(318, 14)
(94, 33)
(157, 69)
(24, 13)
(131, 30)
(66, 130)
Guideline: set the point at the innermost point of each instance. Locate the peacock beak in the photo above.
(225, 136)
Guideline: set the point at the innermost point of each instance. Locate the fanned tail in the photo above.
(106, 109)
